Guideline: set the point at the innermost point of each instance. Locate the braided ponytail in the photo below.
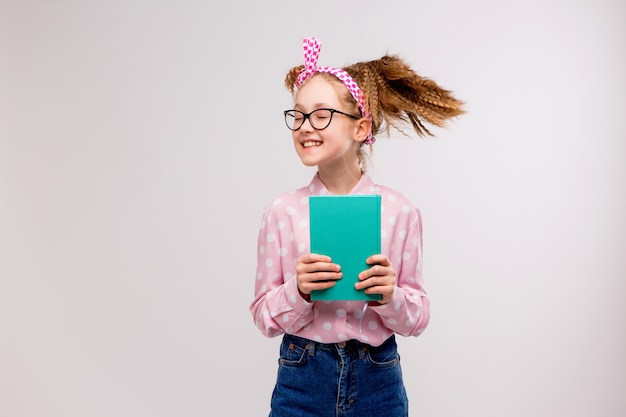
(397, 95)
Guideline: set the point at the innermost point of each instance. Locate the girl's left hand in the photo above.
(379, 279)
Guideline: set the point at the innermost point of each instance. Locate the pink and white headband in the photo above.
(312, 48)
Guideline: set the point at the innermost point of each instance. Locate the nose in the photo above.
(306, 124)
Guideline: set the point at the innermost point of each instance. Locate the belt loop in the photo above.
(310, 346)
(361, 348)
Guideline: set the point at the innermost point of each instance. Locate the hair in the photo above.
(396, 96)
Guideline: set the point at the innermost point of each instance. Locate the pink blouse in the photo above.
(278, 308)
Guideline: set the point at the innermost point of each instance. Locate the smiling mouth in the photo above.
(311, 144)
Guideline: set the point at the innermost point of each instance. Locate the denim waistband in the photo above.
(351, 345)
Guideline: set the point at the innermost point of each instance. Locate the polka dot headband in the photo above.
(312, 49)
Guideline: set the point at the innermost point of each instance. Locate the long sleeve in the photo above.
(408, 313)
(277, 307)
(284, 236)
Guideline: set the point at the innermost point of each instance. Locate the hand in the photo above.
(316, 272)
(379, 279)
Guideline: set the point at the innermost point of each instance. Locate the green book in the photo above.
(346, 228)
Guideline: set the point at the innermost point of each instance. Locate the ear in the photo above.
(362, 129)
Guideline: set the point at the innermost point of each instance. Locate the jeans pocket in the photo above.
(383, 357)
(292, 354)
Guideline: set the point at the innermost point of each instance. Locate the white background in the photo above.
(140, 141)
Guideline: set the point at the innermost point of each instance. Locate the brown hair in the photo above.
(397, 95)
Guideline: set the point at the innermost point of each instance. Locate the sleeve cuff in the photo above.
(299, 304)
(389, 309)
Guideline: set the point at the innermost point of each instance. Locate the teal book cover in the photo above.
(346, 228)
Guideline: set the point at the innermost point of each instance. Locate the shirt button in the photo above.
(341, 344)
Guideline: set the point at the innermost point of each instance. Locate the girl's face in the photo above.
(334, 147)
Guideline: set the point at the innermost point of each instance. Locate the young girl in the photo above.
(339, 358)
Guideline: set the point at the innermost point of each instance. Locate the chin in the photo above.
(308, 163)
(308, 159)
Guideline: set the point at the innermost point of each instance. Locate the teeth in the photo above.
(309, 144)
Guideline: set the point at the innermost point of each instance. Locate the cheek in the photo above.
(295, 141)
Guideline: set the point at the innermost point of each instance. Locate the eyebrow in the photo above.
(315, 106)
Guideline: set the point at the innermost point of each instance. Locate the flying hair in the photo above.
(396, 96)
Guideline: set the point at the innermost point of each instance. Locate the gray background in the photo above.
(140, 141)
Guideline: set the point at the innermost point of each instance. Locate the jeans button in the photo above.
(341, 344)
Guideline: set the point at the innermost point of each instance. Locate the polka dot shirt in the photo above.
(279, 308)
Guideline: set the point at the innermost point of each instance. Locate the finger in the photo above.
(376, 280)
(376, 270)
(322, 276)
(379, 259)
(320, 267)
(316, 257)
(385, 291)
(367, 283)
(318, 285)
(311, 258)
(311, 268)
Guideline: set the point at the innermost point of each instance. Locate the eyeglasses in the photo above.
(319, 118)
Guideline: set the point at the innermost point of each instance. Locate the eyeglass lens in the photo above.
(319, 119)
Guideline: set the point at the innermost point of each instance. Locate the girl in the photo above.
(339, 358)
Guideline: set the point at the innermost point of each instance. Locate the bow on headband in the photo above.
(312, 48)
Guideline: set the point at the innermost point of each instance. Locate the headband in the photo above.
(312, 49)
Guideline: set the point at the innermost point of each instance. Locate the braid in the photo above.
(397, 96)
(370, 79)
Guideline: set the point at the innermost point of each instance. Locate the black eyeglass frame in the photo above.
(306, 116)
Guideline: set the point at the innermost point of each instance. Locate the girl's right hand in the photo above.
(316, 272)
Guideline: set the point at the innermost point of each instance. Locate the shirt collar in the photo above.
(364, 186)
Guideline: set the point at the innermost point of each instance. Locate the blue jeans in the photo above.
(348, 379)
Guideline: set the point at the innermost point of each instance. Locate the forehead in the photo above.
(319, 90)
